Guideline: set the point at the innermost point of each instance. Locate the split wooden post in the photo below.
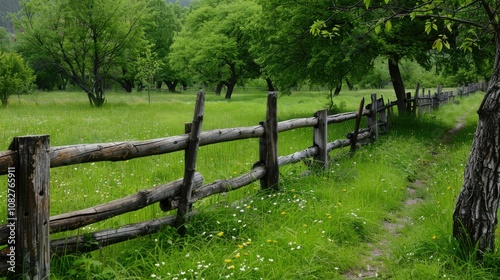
(382, 114)
(408, 102)
(372, 121)
(29, 212)
(320, 133)
(190, 164)
(268, 144)
(354, 139)
(415, 101)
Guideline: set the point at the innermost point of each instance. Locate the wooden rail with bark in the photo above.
(32, 258)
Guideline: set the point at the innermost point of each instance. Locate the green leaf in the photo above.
(378, 29)
(448, 26)
(388, 26)
(317, 26)
(438, 45)
(447, 44)
(326, 34)
(367, 3)
(428, 27)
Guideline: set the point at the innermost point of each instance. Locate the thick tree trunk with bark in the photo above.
(397, 83)
(475, 215)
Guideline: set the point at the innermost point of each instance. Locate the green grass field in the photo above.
(351, 221)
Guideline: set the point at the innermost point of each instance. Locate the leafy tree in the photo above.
(475, 21)
(147, 67)
(291, 56)
(4, 40)
(213, 45)
(397, 40)
(85, 40)
(15, 76)
(160, 30)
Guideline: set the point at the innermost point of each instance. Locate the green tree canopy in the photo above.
(85, 40)
(213, 46)
(165, 22)
(4, 40)
(15, 76)
(291, 56)
(471, 22)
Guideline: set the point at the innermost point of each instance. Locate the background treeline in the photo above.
(222, 44)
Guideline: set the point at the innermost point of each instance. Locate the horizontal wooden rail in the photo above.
(120, 151)
(139, 200)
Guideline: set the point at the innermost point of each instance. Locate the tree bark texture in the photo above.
(475, 215)
(397, 83)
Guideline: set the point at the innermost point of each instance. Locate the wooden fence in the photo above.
(28, 161)
(423, 102)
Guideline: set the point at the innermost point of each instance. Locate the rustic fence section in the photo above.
(34, 158)
(425, 102)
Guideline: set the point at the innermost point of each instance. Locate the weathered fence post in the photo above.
(320, 133)
(28, 209)
(190, 164)
(354, 139)
(268, 144)
(372, 120)
(408, 102)
(382, 115)
(415, 100)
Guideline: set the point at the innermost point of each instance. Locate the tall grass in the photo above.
(324, 226)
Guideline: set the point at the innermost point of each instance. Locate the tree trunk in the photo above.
(349, 85)
(475, 215)
(230, 88)
(127, 85)
(232, 81)
(270, 86)
(397, 83)
(338, 88)
(218, 88)
(5, 101)
(171, 85)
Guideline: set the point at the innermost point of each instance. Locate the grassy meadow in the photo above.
(384, 212)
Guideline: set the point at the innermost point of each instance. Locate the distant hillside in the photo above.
(183, 3)
(7, 7)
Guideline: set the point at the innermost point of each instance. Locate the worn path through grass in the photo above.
(381, 249)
